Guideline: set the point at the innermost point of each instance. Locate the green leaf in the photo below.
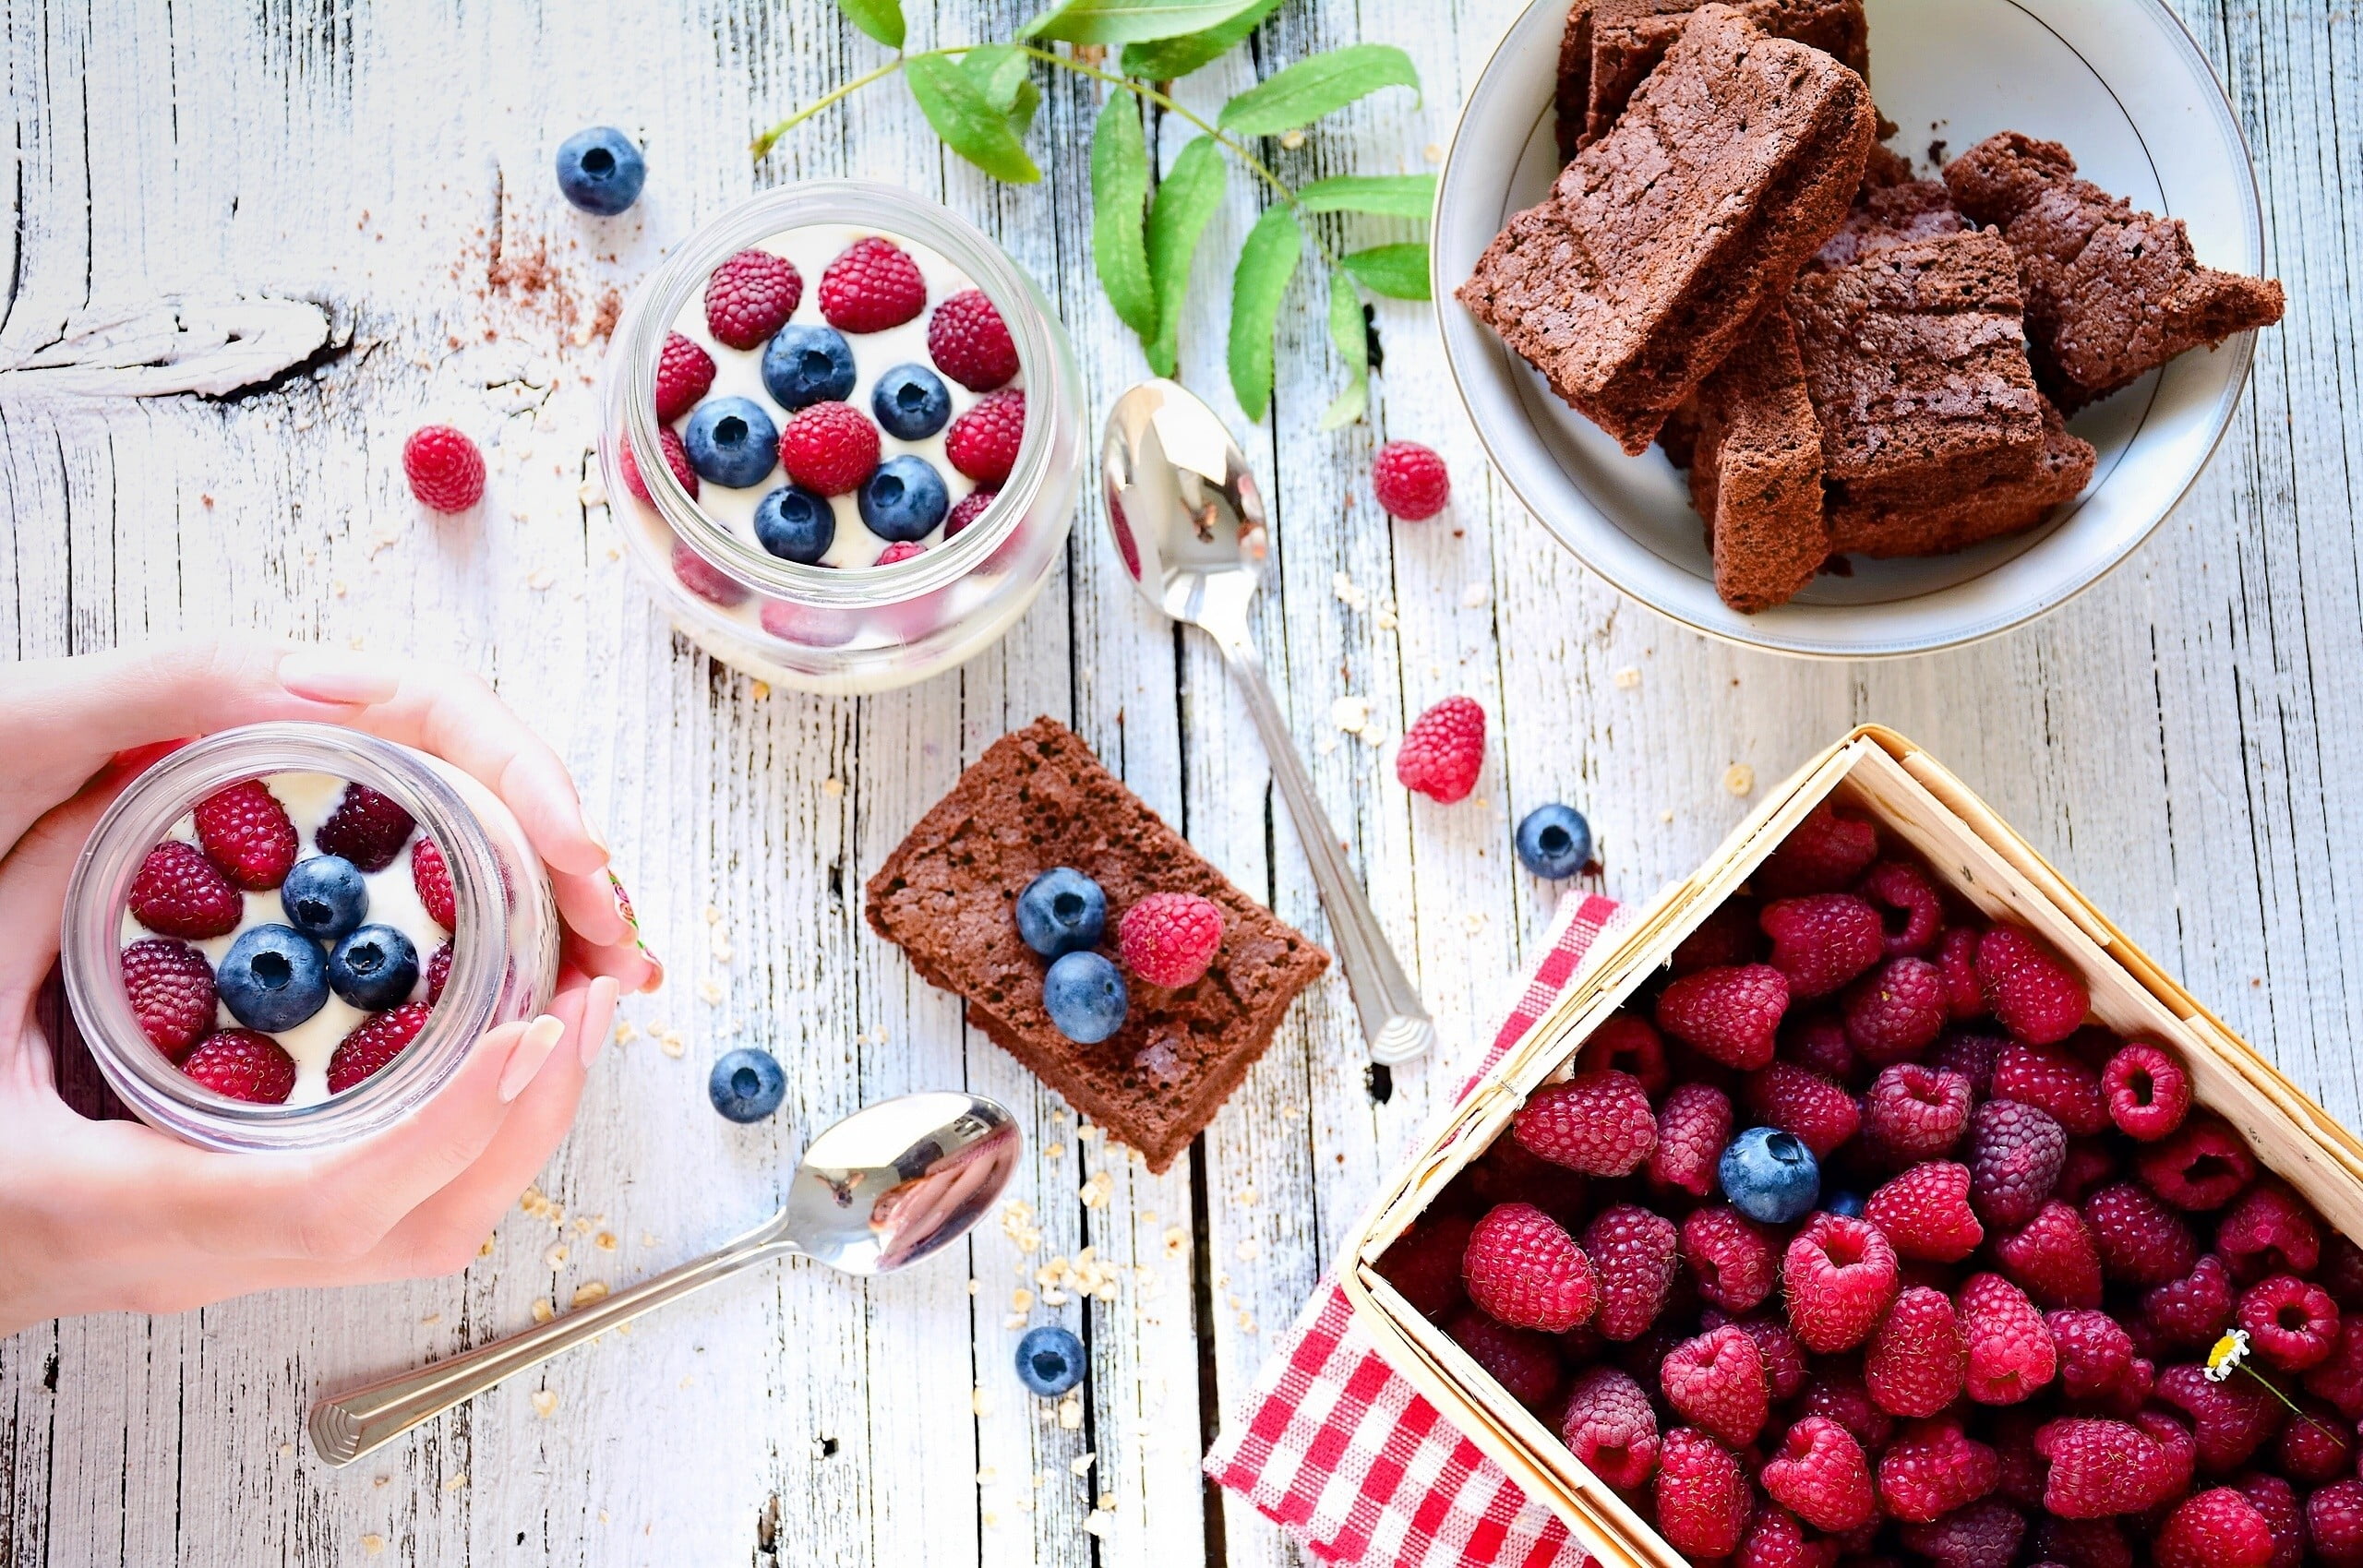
(1129, 21)
(1267, 262)
(1389, 196)
(1352, 340)
(1004, 75)
(1187, 196)
(1399, 271)
(1165, 58)
(1315, 87)
(1119, 207)
(882, 20)
(969, 121)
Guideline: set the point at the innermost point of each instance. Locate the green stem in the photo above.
(763, 143)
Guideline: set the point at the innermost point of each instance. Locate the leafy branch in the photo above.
(981, 100)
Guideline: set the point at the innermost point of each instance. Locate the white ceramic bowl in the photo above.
(2118, 81)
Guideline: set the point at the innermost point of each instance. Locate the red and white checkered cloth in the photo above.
(1344, 1454)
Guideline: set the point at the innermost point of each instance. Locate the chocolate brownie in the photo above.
(1628, 38)
(1038, 798)
(2111, 293)
(1572, 100)
(1756, 478)
(1999, 505)
(1890, 208)
(1662, 241)
(1917, 367)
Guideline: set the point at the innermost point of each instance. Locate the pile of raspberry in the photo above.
(1987, 1342)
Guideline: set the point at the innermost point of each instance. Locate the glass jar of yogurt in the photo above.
(288, 935)
(803, 580)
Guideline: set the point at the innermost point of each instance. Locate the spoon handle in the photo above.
(346, 1426)
(1393, 1020)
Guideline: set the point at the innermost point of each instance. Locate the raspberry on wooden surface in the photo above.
(1444, 750)
(445, 470)
(2148, 1091)
(1732, 1015)
(1410, 480)
(1522, 1268)
(1598, 1123)
(1917, 1360)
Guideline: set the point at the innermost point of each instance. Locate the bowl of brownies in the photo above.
(1850, 327)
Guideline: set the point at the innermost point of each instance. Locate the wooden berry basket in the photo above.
(1880, 773)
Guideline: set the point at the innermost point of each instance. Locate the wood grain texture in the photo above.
(2185, 741)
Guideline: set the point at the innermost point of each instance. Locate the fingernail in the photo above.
(600, 1009)
(330, 675)
(623, 900)
(591, 831)
(656, 981)
(531, 1050)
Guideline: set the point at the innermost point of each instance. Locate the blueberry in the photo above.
(325, 896)
(1085, 996)
(1848, 1205)
(600, 169)
(1049, 1360)
(273, 978)
(910, 402)
(374, 969)
(904, 498)
(1771, 1175)
(803, 365)
(746, 1085)
(1554, 842)
(794, 524)
(1062, 911)
(731, 441)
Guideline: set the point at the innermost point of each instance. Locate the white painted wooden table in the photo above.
(2186, 740)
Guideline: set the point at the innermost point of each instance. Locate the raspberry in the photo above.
(1933, 1467)
(1717, 1384)
(1820, 1475)
(2293, 1325)
(1841, 1393)
(2230, 1420)
(2052, 1258)
(1822, 940)
(1917, 1360)
(2215, 1529)
(1925, 1214)
(1818, 1041)
(2010, 1352)
(2095, 1352)
(380, 1038)
(1804, 1104)
(1775, 1539)
(179, 892)
(1896, 1011)
(1443, 750)
(1509, 1172)
(1628, 1043)
(2101, 1468)
(750, 297)
(1984, 1535)
(1525, 1363)
(2055, 1082)
(243, 1065)
(2334, 1524)
(2276, 1502)
(970, 342)
(439, 971)
(983, 442)
(2089, 1164)
(1702, 1495)
(431, 879)
(1731, 1256)
(704, 579)
(2141, 1241)
(1523, 1269)
(445, 470)
(684, 373)
(2147, 1091)
(1694, 1124)
(829, 448)
(1840, 1275)
(1424, 1263)
(1915, 1112)
(1907, 905)
(366, 828)
(1827, 851)
(873, 286)
(1595, 1122)
(1633, 1251)
(2030, 988)
(1410, 480)
(2081, 1543)
(2203, 1165)
(1972, 1053)
(677, 458)
(2342, 1270)
(2316, 1445)
(2191, 1312)
(1169, 938)
(246, 832)
(2270, 1230)
(967, 509)
(1785, 1359)
(1611, 1428)
(1956, 959)
(900, 550)
(169, 987)
(1732, 1015)
(2015, 1153)
(2339, 1379)
(1728, 936)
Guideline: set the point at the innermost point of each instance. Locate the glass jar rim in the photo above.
(894, 212)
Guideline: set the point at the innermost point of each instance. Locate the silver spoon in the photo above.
(876, 1192)
(1182, 508)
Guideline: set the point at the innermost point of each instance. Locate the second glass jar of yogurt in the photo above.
(870, 442)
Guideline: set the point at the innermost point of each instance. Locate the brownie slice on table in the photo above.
(2111, 293)
(947, 897)
(1999, 506)
(1628, 38)
(1756, 476)
(1660, 244)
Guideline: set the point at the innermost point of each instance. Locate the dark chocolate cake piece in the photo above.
(1038, 798)
(1757, 475)
(2000, 506)
(1628, 38)
(2111, 293)
(1572, 100)
(1891, 208)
